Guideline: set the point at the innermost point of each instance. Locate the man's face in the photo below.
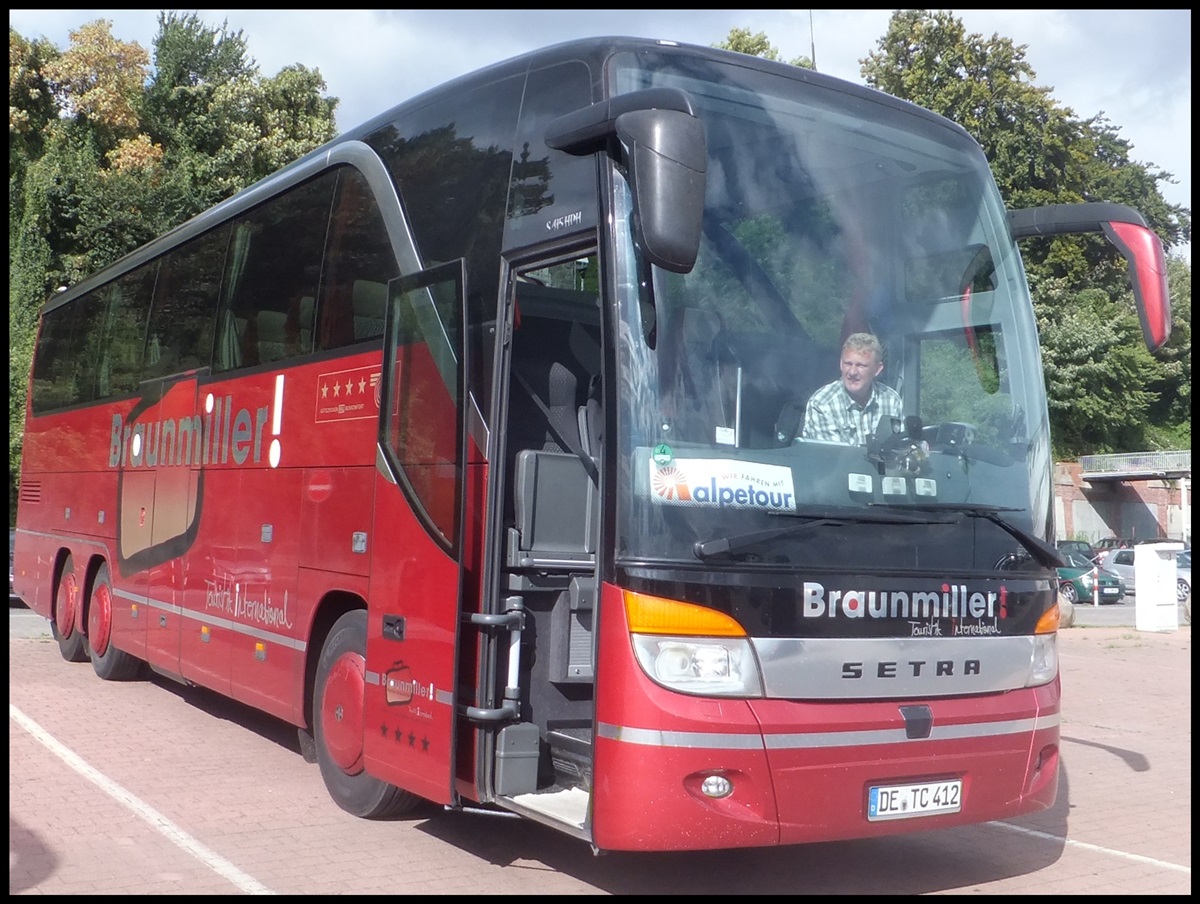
(859, 370)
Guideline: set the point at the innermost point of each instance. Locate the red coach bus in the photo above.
(471, 444)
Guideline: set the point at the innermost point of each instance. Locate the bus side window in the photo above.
(125, 331)
(183, 315)
(50, 388)
(271, 277)
(359, 263)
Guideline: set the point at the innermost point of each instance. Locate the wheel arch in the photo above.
(333, 605)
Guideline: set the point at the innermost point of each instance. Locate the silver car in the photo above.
(1120, 562)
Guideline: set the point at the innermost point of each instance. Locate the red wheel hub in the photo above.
(64, 606)
(342, 712)
(100, 619)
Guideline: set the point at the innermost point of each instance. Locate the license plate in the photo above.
(907, 801)
(1109, 591)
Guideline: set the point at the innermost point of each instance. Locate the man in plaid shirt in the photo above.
(848, 409)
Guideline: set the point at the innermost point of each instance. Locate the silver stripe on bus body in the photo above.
(649, 737)
(840, 668)
(65, 538)
(817, 740)
(823, 740)
(281, 640)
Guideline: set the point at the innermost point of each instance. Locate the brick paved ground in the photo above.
(182, 793)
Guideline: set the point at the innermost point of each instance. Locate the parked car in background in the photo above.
(1120, 562)
(1082, 547)
(1079, 580)
(1104, 544)
(1183, 583)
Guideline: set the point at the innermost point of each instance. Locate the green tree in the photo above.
(1040, 153)
(741, 41)
(1094, 347)
(1171, 414)
(223, 125)
(107, 152)
(1106, 393)
(31, 103)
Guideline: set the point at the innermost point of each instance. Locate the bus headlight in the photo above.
(1043, 664)
(712, 666)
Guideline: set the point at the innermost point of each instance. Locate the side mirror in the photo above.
(666, 160)
(657, 137)
(1125, 228)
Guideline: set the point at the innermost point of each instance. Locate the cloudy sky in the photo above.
(1132, 66)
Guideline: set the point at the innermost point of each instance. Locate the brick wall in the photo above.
(1118, 508)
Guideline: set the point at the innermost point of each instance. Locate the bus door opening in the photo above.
(550, 520)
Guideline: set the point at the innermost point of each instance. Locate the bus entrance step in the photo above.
(571, 756)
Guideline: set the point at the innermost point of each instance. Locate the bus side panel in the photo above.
(211, 589)
(267, 656)
(79, 507)
(412, 630)
(824, 758)
(654, 748)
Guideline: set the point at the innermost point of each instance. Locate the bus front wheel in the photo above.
(339, 698)
(108, 662)
(71, 642)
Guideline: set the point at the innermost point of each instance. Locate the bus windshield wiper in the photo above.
(811, 517)
(1045, 553)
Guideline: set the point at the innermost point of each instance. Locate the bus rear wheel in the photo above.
(338, 725)
(71, 642)
(108, 662)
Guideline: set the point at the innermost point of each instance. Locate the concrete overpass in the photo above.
(1137, 466)
(1143, 466)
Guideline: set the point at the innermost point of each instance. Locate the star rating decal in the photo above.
(348, 395)
(400, 737)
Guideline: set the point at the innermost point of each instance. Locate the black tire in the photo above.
(108, 662)
(308, 745)
(68, 597)
(337, 725)
(1183, 590)
(1068, 590)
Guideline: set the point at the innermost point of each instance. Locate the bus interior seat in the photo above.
(554, 427)
(554, 506)
(591, 420)
(553, 495)
(307, 322)
(272, 336)
(585, 347)
(778, 374)
(369, 302)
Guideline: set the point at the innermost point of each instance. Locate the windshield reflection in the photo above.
(820, 225)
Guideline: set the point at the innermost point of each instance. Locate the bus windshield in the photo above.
(828, 215)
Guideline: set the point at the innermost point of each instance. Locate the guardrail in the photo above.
(1137, 464)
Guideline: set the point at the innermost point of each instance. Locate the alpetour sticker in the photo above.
(723, 483)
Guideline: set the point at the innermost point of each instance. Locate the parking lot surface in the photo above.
(153, 788)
